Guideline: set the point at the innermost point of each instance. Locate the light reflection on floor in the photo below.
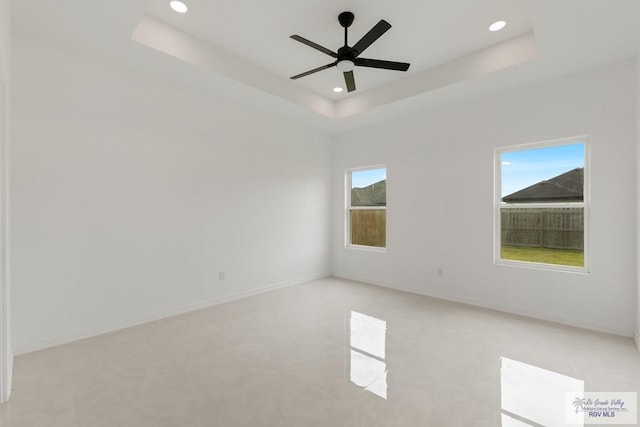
(532, 396)
(367, 353)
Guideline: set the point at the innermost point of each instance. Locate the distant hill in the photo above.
(566, 187)
(371, 195)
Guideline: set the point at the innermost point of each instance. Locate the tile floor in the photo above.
(326, 353)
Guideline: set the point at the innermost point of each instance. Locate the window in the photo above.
(367, 207)
(541, 204)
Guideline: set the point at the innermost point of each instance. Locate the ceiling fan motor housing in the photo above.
(346, 52)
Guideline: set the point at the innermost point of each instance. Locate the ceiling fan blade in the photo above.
(377, 63)
(314, 45)
(374, 34)
(349, 81)
(315, 70)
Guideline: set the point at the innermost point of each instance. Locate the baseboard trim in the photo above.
(548, 317)
(89, 333)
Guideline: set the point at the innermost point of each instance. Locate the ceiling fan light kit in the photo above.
(345, 65)
(348, 57)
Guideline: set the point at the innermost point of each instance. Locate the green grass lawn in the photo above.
(544, 255)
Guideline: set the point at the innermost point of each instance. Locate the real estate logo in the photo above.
(601, 408)
(578, 403)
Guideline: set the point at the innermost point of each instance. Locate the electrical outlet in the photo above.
(440, 272)
(221, 276)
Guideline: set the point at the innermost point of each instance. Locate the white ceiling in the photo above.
(423, 33)
(241, 50)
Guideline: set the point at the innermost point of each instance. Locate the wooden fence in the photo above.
(558, 228)
(369, 227)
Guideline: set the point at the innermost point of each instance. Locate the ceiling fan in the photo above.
(349, 57)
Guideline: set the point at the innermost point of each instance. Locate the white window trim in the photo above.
(585, 204)
(348, 208)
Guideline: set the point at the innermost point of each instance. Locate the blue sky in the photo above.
(360, 179)
(521, 169)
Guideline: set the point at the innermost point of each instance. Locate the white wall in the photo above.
(6, 352)
(129, 195)
(440, 200)
(637, 334)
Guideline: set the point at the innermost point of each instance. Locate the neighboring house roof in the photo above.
(371, 195)
(567, 187)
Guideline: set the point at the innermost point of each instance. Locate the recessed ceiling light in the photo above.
(178, 6)
(337, 89)
(497, 26)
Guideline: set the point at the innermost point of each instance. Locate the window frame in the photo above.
(585, 204)
(349, 208)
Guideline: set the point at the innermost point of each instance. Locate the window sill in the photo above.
(542, 266)
(367, 248)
